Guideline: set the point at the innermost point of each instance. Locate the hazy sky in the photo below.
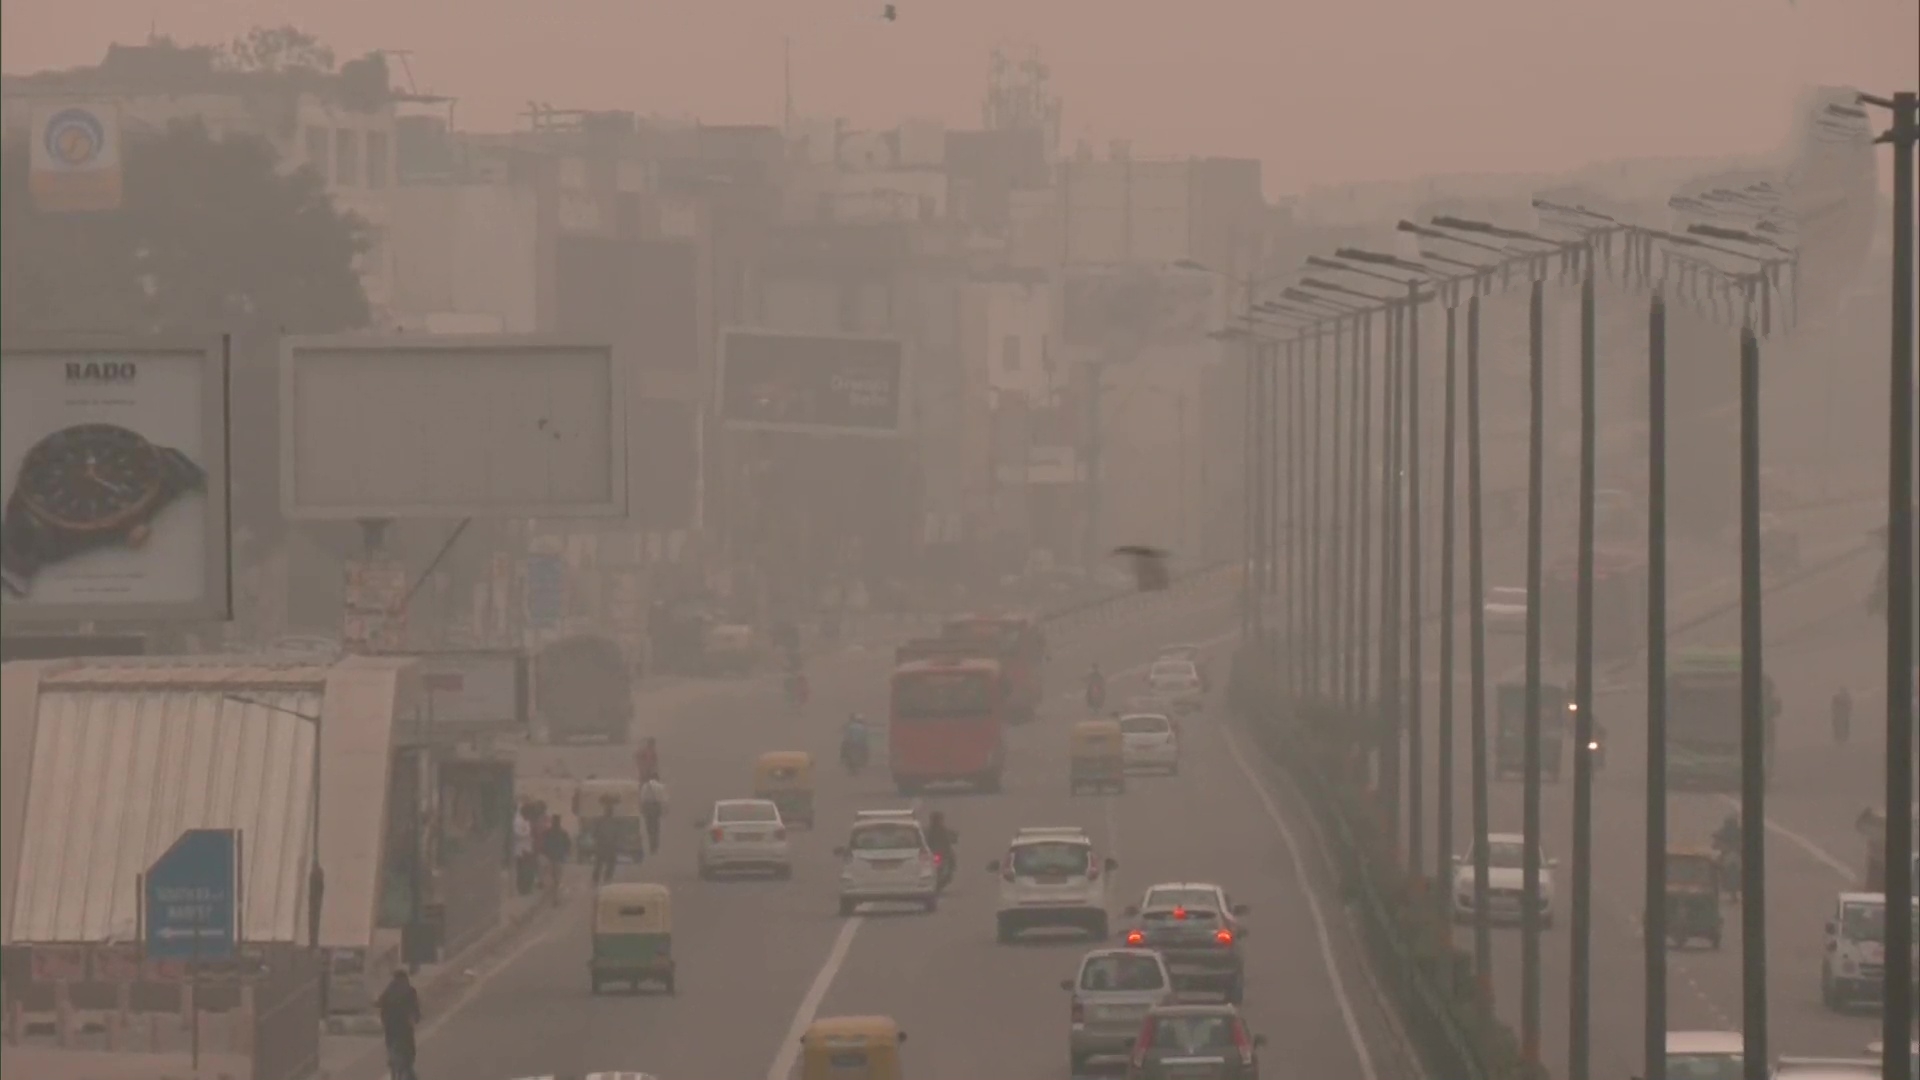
(1324, 91)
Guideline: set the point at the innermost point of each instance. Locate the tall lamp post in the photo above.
(1302, 673)
(316, 877)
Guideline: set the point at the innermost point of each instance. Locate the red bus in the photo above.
(1619, 606)
(947, 723)
(1020, 646)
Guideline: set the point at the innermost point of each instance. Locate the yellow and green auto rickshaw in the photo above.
(1094, 759)
(591, 798)
(785, 778)
(1693, 897)
(632, 936)
(852, 1048)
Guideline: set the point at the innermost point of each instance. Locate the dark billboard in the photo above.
(850, 385)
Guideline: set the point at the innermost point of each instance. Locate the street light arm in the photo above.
(1379, 258)
(1418, 229)
(270, 707)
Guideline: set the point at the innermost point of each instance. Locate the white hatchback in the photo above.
(744, 834)
(886, 860)
(1177, 681)
(1150, 740)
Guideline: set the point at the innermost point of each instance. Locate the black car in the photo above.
(1195, 1042)
(1201, 947)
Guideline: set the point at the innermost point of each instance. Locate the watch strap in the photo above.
(181, 473)
(21, 548)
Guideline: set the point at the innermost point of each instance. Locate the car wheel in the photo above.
(595, 986)
(1004, 931)
(931, 904)
(1098, 928)
(846, 908)
(1829, 993)
(669, 983)
(706, 872)
(783, 873)
(1076, 1064)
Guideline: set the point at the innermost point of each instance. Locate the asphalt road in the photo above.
(760, 958)
(1819, 637)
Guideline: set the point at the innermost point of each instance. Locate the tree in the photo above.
(211, 238)
(277, 48)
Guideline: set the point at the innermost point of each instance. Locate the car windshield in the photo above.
(1203, 899)
(1863, 922)
(1193, 1034)
(1122, 972)
(1144, 725)
(891, 836)
(1504, 855)
(1035, 860)
(931, 694)
(731, 813)
(1704, 1067)
(1179, 652)
(1172, 669)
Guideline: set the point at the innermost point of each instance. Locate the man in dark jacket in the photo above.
(606, 843)
(399, 1017)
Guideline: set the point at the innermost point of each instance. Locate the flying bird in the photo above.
(1149, 566)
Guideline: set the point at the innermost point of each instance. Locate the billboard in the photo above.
(843, 384)
(450, 427)
(75, 157)
(113, 473)
(472, 691)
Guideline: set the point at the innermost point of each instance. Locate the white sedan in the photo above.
(1506, 610)
(1506, 879)
(1177, 681)
(1150, 740)
(744, 834)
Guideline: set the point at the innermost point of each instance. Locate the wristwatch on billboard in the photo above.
(86, 487)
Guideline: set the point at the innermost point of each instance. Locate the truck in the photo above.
(1018, 644)
(1510, 712)
(1619, 606)
(1704, 719)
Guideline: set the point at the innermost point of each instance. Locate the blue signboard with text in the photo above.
(191, 905)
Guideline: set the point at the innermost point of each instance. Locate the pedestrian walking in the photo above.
(399, 1018)
(526, 865)
(606, 843)
(646, 760)
(653, 807)
(555, 848)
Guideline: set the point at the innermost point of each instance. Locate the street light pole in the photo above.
(316, 876)
(1416, 763)
(1477, 660)
(1653, 912)
(1443, 841)
(1530, 794)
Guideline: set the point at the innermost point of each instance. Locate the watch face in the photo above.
(90, 477)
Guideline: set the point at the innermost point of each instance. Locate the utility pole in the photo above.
(1755, 719)
(1477, 659)
(1579, 997)
(1416, 736)
(1443, 840)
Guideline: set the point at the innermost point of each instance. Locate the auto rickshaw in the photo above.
(785, 778)
(591, 797)
(1693, 897)
(1094, 758)
(632, 936)
(852, 1048)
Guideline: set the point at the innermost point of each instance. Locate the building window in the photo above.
(377, 163)
(1010, 353)
(320, 150)
(346, 158)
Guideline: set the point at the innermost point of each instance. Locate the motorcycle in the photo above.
(1598, 754)
(853, 755)
(942, 870)
(1730, 874)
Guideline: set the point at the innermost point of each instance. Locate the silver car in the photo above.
(1112, 994)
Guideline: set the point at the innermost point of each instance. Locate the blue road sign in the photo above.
(546, 589)
(191, 895)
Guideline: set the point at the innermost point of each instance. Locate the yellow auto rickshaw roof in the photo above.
(1096, 727)
(798, 758)
(650, 894)
(878, 1027)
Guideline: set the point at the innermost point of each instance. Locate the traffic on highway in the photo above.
(1014, 884)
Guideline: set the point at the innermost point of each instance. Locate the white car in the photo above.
(1810, 1068)
(1705, 1055)
(594, 1076)
(1150, 740)
(1854, 968)
(1505, 876)
(1191, 653)
(1052, 877)
(1506, 610)
(1179, 682)
(744, 834)
(886, 860)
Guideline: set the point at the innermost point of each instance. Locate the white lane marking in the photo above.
(1814, 851)
(1327, 959)
(789, 1054)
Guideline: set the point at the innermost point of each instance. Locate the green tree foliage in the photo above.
(211, 238)
(276, 48)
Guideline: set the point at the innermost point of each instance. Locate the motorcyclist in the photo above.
(1842, 709)
(1726, 840)
(1597, 742)
(853, 741)
(941, 840)
(1096, 687)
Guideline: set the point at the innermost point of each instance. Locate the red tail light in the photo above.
(938, 858)
(1242, 1043)
(780, 834)
(719, 834)
(1224, 937)
(1179, 913)
(1135, 937)
(1143, 1043)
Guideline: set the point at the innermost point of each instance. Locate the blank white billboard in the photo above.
(450, 427)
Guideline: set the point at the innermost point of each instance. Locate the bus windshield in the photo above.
(930, 694)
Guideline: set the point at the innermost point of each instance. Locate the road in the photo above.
(760, 958)
(1819, 637)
